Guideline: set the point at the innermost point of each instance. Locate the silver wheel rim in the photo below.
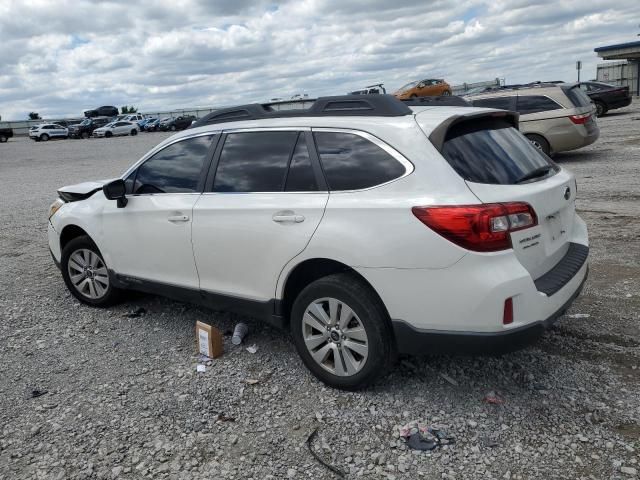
(335, 337)
(88, 273)
(536, 144)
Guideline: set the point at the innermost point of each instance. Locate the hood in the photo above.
(80, 191)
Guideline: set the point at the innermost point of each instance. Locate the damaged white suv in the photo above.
(366, 225)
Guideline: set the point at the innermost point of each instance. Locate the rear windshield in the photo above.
(577, 96)
(494, 153)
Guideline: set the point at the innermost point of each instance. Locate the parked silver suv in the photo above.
(555, 118)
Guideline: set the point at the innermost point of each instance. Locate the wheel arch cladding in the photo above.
(69, 233)
(311, 270)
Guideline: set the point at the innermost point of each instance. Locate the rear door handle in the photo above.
(178, 218)
(288, 218)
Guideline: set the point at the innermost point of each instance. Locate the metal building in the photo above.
(625, 70)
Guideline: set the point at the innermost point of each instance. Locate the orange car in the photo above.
(424, 88)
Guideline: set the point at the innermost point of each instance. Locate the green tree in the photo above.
(133, 109)
(124, 109)
(34, 116)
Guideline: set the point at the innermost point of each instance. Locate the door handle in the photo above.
(288, 218)
(178, 218)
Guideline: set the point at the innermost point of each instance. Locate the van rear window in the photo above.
(577, 96)
(494, 153)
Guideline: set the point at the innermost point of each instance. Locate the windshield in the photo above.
(109, 125)
(408, 86)
(495, 153)
(85, 122)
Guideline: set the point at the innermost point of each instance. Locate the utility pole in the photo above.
(578, 68)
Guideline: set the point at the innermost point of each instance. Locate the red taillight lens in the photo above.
(481, 228)
(580, 119)
(507, 316)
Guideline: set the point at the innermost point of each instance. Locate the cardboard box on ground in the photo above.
(209, 340)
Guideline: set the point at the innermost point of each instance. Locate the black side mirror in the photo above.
(116, 190)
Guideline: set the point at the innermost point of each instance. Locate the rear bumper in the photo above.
(623, 102)
(414, 341)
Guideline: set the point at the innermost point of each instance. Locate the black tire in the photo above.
(134, 132)
(111, 294)
(172, 128)
(108, 134)
(601, 109)
(44, 137)
(446, 93)
(348, 288)
(3, 139)
(540, 143)
(85, 135)
(413, 95)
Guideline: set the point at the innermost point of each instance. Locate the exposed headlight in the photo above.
(55, 206)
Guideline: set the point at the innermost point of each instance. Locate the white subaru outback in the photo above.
(367, 226)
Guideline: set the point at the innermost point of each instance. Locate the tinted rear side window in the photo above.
(503, 103)
(494, 154)
(175, 169)
(535, 103)
(301, 177)
(351, 162)
(577, 96)
(254, 162)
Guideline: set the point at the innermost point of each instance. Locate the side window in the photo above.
(535, 103)
(301, 177)
(254, 162)
(351, 162)
(174, 169)
(503, 103)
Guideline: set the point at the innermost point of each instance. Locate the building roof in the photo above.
(617, 46)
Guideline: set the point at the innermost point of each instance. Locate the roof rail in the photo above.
(343, 105)
(441, 101)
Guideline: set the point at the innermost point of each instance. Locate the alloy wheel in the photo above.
(335, 337)
(88, 273)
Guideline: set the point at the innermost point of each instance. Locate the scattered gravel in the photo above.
(88, 393)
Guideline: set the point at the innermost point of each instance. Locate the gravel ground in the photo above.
(88, 393)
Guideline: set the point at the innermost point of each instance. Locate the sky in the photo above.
(62, 57)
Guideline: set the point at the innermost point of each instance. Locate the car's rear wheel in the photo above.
(540, 143)
(341, 330)
(85, 273)
(44, 137)
(108, 134)
(134, 132)
(3, 139)
(413, 95)
(601, 109)
(85, 135)
(172, 128)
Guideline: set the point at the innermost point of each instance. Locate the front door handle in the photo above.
(288, 217)
(178, 218)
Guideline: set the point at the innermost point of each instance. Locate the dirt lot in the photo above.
(87, 393)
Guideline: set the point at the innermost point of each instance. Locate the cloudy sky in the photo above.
(60, 57)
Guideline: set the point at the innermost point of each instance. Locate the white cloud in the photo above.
(62, 57)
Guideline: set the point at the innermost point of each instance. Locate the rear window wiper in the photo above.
(535, 173)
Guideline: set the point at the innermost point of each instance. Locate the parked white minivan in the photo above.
(367, 226)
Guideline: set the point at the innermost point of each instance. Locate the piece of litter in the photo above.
(138, 312)
(252, 349)
(252, 381)
(449, 379)
(38, 393)
(419, 436)
(628, 295)
(579, 315)
(201, 368)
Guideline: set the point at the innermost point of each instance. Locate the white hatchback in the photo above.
(116, 128)
(366, 226)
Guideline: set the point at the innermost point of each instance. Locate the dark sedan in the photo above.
(606, 97)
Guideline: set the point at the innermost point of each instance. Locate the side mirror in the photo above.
(116, 190)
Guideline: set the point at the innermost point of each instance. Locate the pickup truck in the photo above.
(5, 134)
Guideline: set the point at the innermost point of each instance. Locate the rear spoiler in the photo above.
(439, 134)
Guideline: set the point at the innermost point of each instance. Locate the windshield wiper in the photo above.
(535, 173)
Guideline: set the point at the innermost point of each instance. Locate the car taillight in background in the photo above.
(481, 228)
(580, 119)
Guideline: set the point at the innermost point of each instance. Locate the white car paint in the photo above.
(44, 131)
(119, 127)
(229, 244)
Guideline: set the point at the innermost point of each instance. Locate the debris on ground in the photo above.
(579, 315)
(252, 349)
(493, 398)
(35, 393)
(449, 379)
(209, 340)
(223, 418)
(252, 381)
(138, 312)
(201, 368)
(333, 468)
(239, 333)
(419, 436)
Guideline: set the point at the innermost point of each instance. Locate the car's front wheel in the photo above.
(85, 135)
(134, 132)
(108, 134)
(85, 273)
(446, 93)
(341, 330)
(44, 137)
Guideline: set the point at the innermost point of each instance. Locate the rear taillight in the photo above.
(580, 119)
(481, 228)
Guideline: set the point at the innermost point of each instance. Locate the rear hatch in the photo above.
(499, 165)
(584, 107)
